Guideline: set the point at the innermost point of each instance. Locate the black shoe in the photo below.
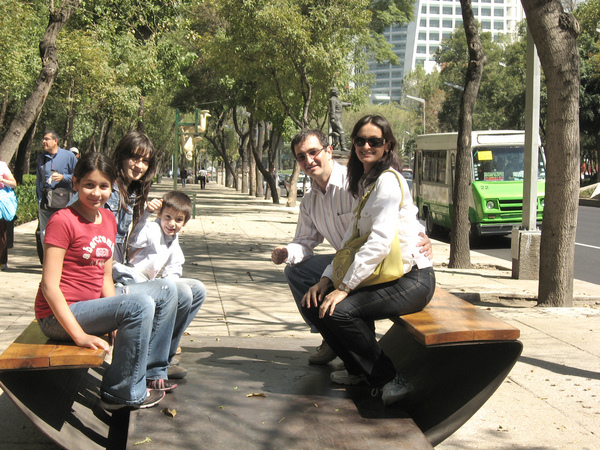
(176, 372)
(323, 355)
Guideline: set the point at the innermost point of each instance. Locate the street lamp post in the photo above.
(420, 100)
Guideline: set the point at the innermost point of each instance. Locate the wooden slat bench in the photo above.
(456, 355)
(33, 350)
(57, 386)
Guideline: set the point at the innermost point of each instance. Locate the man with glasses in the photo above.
(325, 213)
(54, 169)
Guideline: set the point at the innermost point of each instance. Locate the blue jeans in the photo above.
(349, 332)
(190, 297)
(164, 294)
(302, 276)
(133, 316)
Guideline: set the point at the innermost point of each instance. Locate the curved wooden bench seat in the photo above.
(57, 386)
(456, 355)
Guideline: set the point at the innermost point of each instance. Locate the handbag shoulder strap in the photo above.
(367, 194)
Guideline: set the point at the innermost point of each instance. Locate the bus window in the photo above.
(503, 164)
(441, 167)
(498, 163)
(434, 166)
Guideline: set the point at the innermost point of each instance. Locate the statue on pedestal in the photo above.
(335, 120)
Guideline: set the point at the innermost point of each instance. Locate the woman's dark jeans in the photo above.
(350, 333)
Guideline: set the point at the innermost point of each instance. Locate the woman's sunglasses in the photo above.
(373, 142)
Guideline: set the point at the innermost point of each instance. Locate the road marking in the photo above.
(586, 245)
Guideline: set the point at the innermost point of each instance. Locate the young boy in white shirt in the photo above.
(154, 251)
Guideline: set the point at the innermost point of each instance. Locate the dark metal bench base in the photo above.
(452, 381)
(63, 404)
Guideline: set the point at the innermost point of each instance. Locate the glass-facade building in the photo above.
(416, 43)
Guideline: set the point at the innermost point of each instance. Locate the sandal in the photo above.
(161, 385)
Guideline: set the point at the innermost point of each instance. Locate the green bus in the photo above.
(496, 179)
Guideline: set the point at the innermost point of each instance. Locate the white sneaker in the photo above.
(396, 390)
(343, 377)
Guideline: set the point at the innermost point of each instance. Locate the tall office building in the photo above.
(416, 43)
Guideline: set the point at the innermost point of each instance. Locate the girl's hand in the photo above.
(332, 299)
(154, 205)
(315, 294)
(93, 342)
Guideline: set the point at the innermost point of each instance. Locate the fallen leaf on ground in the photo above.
(169, 412)
(259, 394)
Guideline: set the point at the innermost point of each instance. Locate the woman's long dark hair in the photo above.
(95, 161)
(134, 144)
(356, 170)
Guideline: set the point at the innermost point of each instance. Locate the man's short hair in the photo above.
(304, 134)
(178, 201)
(53, 133)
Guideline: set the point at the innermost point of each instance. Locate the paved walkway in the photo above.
(550, 400)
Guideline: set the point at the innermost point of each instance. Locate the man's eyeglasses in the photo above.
(313, 152)
(373, 142)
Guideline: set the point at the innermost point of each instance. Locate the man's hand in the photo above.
(279, 255)
(425, 245)
(56, 176)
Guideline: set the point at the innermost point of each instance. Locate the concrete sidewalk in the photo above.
(550, 400)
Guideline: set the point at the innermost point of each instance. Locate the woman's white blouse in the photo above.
(388, 209)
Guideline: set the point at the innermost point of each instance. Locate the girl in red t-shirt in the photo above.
(76, 299)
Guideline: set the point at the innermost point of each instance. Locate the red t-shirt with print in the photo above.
(88, 246)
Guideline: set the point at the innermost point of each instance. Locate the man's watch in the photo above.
(343, 287)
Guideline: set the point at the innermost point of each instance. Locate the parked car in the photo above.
(281, 180)
(408, 176)
(302, 187)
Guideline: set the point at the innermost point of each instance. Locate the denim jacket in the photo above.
(124, 216)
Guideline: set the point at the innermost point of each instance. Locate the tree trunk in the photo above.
(24, 152)
(275, 138)
(105, 144)
(33, 105)
(70, 116)
(251, 170)
(258, 155)
(555, 35)
(460, 256)
(4, 106)
(140, 124)
(293, 191)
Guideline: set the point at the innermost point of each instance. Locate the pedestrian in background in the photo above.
(184, 175)
(202, 175)
(54, 170)
(8, 208)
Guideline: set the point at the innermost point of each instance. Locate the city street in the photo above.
(587, 246)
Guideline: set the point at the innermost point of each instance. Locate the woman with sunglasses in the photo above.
(345, 314)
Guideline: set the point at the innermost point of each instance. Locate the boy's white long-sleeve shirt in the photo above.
(152, 251)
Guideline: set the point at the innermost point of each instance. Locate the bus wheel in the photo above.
(429, 225)
(475, 240)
